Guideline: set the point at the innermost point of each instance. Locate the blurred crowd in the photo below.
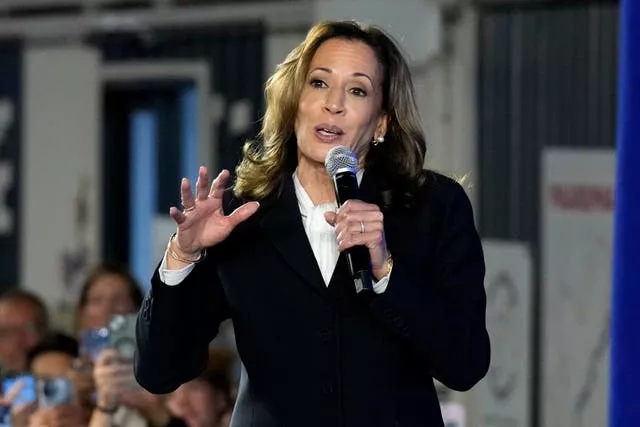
(37, 362)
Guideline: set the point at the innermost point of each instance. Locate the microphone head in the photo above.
(340, 159)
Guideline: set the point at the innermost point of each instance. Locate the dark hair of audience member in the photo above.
(55, 343)
(41, 322)
(105, 269)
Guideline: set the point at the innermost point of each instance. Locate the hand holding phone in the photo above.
(112, 376)
(54, 391)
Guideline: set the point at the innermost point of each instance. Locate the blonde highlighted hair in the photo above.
(398, 161)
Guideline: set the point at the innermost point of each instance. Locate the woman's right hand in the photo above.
(203, 223)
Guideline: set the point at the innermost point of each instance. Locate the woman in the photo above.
(315, 352)
(109, 290)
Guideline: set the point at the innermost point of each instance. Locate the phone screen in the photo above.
(27, 393)
(92, 342)
(122, 335)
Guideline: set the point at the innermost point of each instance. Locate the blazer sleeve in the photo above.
(444, 320)
(175, 326)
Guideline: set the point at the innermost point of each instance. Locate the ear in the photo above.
(381, 127)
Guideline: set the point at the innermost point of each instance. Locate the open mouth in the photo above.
(326, 131)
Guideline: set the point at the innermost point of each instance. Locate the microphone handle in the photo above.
(345, 185)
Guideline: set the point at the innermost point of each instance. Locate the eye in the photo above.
(317, 83)
(358, 92)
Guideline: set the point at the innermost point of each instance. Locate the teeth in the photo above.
(328, 131)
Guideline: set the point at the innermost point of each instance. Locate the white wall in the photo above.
(60, 169)
(446, 96)
(278, 46)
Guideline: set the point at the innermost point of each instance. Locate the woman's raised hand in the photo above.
(203, 223)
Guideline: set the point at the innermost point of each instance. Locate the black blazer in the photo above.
(322, 356)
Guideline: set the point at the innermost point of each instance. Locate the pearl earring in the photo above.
(378, 140)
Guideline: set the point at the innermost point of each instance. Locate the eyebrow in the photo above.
(356, 74)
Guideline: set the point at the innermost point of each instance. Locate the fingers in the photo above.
(357, 217)
(242, 213)
(203, 192)
(186, 196)
(177, 215)
(331, 218)
(354, 211)
(371, 239)
(13, 392)
(106, 357)
(114, 372)
(359, 224)
(357, 206)
(202, 185)
(219, 184)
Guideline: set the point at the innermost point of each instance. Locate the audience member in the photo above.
(109, 290)
(53, 358)
(23, 324)
(207, 401)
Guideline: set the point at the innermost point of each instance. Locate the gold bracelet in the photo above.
(389, 263)
(174, 255)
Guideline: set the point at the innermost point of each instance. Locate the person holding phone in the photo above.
(104, 376)
(268, 251)
(49, 363)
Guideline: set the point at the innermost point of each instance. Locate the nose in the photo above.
(334, 102)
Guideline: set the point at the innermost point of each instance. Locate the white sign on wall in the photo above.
(502, 398)
(577, 220)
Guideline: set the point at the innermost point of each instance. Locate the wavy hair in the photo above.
(398, 160)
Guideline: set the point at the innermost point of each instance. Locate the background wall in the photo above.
(60, 174)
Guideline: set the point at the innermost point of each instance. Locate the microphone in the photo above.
(342, 165)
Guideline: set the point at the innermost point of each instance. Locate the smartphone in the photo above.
(5, 416)
(122, 335)
(27, 393)
(122, 338)
(54, 391)
(92, 342)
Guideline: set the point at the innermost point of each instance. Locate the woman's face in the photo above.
(197, 404)
(108, 295)
(341, 102)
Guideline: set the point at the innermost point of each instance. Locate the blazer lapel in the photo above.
(282, 223)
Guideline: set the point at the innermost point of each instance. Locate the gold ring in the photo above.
(185, 210)
(362, 229)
